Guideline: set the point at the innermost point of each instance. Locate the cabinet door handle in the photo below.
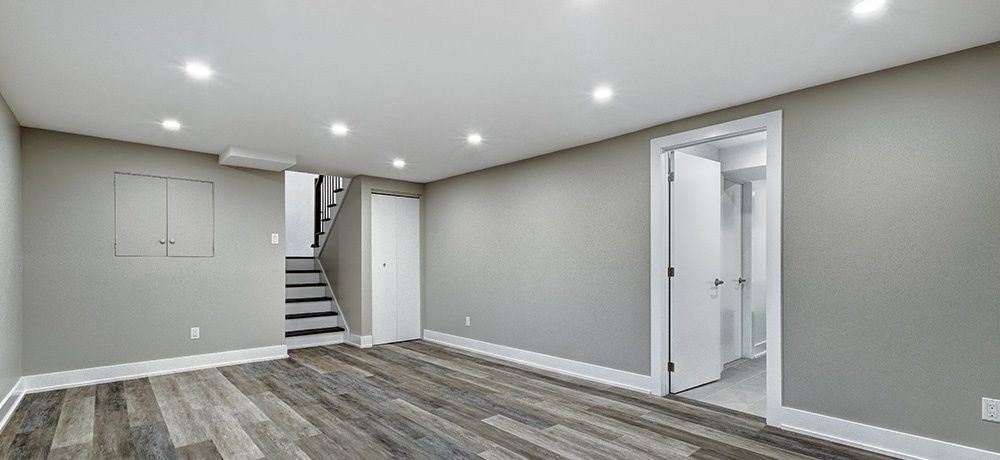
(162, 241)
(172, 241)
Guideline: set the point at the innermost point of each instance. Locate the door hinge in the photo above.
(670, 272)
(670, 176)
(670, 367)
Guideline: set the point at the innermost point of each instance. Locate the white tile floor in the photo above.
(743, 387)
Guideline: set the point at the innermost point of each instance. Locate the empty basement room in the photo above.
(516, 229)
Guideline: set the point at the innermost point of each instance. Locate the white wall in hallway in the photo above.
(299, 213)
(758, 268)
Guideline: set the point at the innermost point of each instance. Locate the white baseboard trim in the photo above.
(93, 375)
(359, 341)
(873, 438)
(10, 402)
(306, 341)
(579, 369)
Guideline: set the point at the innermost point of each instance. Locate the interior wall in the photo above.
(11, 252)
(300, 195)
(889, 236)
(347, 255)
(84, 307)
(341, 258)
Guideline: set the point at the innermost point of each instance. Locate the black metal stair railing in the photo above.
(325, 193)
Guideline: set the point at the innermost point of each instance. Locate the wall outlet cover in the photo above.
(195, 333)
(468, 321)
(991, 410)
(274, 238)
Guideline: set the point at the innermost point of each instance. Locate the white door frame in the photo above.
(658, 242)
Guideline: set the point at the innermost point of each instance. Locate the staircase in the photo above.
(311, 312)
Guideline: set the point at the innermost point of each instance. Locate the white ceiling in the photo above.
(412, 78)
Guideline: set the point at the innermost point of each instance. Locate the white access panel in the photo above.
(140, 215)
(190, 218)
(695, 254)
(395, 268)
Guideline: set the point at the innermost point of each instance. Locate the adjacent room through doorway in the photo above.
(739, 380)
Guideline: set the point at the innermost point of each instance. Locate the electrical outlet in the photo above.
(195, 333)
(274, 238)
(468, 321)
(991, 410)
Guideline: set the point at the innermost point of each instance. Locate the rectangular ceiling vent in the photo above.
(246, 158)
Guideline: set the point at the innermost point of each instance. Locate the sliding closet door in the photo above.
(395, 268)
(383, 269)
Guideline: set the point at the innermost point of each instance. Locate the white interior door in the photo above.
(383, 269)
(695, 254)
(731, 293)
(395, 268)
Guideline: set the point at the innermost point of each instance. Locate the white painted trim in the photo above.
(93, 375)
(659, 320)
(10, 402)
(359, 341)
(579, 369)
(317, 340)
(876, 439)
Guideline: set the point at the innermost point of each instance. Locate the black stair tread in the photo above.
(321, 233)
(315, 314)
(313, 245)
(321, 330)
(305, 285)
(308, 299)
(330, 205)
(299, 257)
(301, 271)
(324, 220)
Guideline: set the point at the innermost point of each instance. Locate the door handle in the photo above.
(718, 282)
(741, 280)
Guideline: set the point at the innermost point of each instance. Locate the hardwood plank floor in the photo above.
(407, 400)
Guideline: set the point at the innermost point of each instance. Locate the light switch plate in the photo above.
(274, 238)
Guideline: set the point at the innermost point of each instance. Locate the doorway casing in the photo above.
(659, 243)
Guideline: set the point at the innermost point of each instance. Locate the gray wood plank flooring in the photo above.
(408, 400)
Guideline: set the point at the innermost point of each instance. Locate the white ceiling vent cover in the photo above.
(246, 158)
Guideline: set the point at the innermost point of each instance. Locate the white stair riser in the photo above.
(314, 340)
(310, 323)
(296, 278)
(308, 307)
(300, 292)
(300, 264)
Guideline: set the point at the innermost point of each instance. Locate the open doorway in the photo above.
(715, 207)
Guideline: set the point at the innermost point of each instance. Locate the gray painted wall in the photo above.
(346, 256)
(11, 254)
(891, 229)
(84, 307)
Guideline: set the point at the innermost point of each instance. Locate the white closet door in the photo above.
(407, 268)
(383, 269)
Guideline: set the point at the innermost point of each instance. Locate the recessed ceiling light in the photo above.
(339, 129)
(474, 139)
(171, 125)
(866, 7)
(603, 93)
(398, 163)
(198, 71)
